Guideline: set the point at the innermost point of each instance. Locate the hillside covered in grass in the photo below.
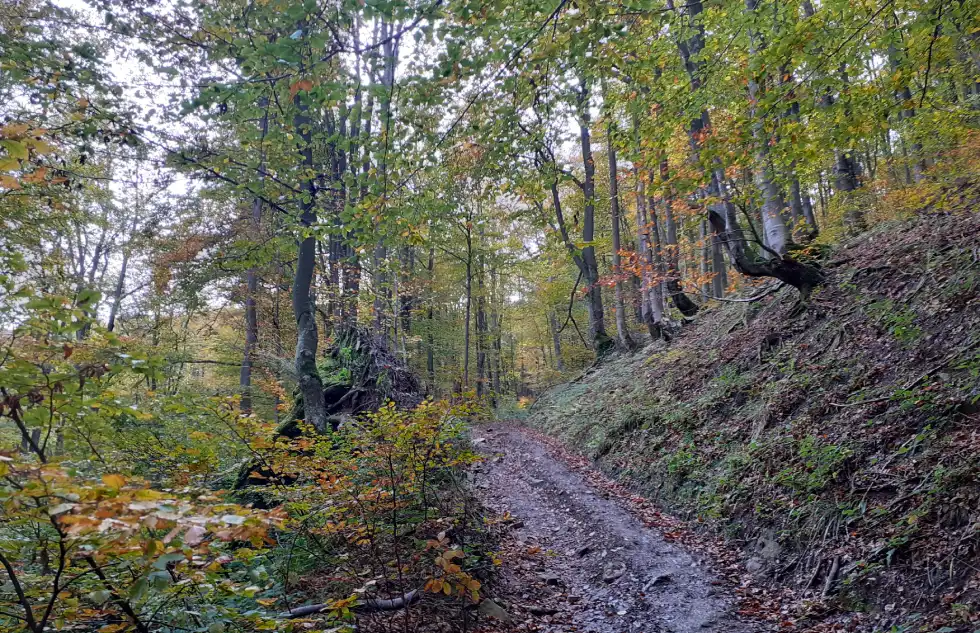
(836, 446)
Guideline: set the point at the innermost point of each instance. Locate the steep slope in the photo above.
(836, 447)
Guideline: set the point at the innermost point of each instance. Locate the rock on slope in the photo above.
(838, 447)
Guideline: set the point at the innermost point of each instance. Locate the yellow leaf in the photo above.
(114, 481)
(42, 147)
(14, 129)
(9, 164)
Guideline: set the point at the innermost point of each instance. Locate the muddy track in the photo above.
(579, 561)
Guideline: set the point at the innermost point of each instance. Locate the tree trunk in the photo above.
(382, 290)
(469, 304)
(251, 289)
(906, 112)
(307, 338)
(556, 340)
(652, 294)
(721, 212)
(800, 212)
(430, 352)
(495, 327)
(622, 329)
(481, 331)
(704, 259)
(117, 294)
(720, 280)
(672, 257)
(845, 165)
(773, 205)
(590, 270)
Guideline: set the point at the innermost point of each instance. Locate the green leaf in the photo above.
(163, 561)
(87, 296)
(15, 149)
(100, 596)
(138, 589)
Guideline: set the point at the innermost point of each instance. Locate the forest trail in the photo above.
(579, 561)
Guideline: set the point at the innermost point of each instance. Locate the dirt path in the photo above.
(579, 561)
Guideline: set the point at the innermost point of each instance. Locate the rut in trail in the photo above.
(600, 569)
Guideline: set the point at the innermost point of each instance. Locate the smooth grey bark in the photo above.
(721, 212)
(773, 220)
(495, 329)
(430, 352)
(704, 261)
(809, 212)
(799, 207)
(773, 204)
(652, 309)
(590, 269)
(481, 327)
(720, 280)
(117, 294)
(307, 337)
(622, 330)
(469, 306)
(382, 297)
(659, 292)
(251, 290)
(89, 273)
(556, 340)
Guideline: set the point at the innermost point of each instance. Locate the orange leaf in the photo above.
(302, 84)
(8, 182)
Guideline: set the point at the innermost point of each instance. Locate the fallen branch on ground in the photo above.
(371, 605)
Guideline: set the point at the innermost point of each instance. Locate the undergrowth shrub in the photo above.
(378, 509)
(112, 518)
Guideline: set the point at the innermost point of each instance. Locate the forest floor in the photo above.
(578, 557)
